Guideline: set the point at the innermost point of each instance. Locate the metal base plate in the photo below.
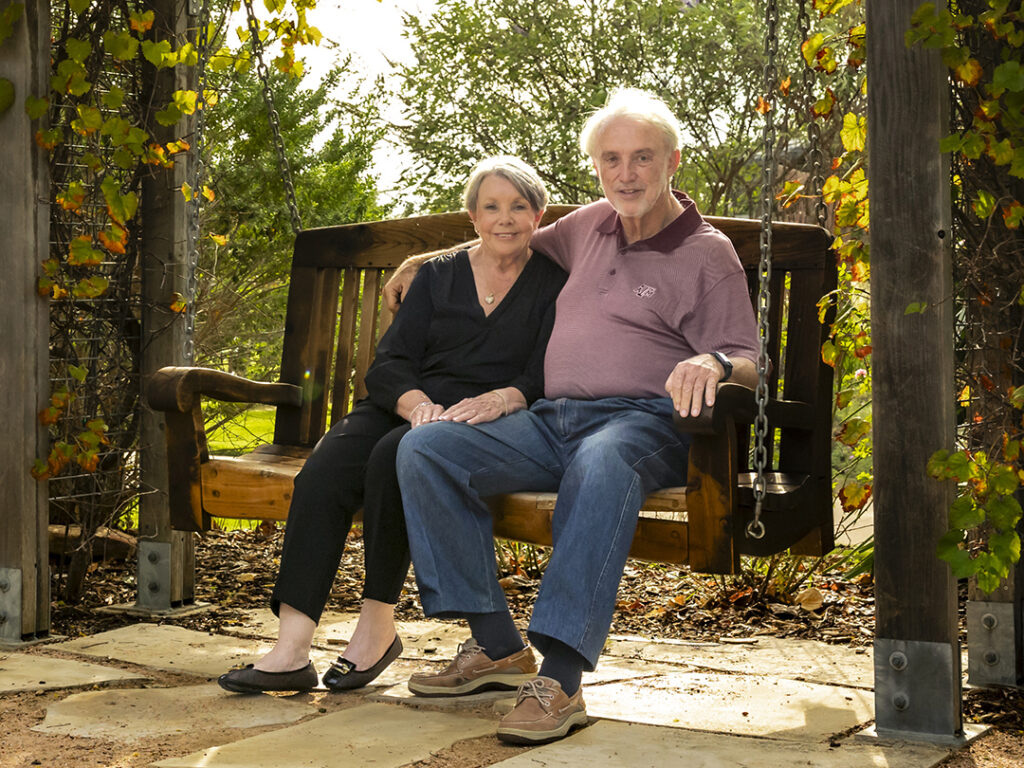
(917, 688)
(971, 732)
(991, 643)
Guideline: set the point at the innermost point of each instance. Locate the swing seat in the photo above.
(335, 317)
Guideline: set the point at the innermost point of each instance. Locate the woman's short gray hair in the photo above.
(519, 174)
(636, 105)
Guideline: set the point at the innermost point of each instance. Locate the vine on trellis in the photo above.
(982, 44)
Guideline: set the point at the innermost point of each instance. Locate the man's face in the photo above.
(634, 166)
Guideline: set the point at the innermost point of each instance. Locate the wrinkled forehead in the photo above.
(622, 134)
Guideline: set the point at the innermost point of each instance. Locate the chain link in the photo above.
(188, 351)
(274, 119)
(815, 176)
(755, 529)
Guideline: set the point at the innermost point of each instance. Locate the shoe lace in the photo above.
(536, 689)
(466, 651)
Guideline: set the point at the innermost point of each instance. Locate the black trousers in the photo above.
(352, 466)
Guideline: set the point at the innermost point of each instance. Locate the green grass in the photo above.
(237, 436)
(243, 433)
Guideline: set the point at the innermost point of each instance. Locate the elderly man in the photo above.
(656, 302)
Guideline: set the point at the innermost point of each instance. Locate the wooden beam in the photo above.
(915, 594)
(25, 328)
(166, 570)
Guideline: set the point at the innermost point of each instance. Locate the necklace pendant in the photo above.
(489, 298)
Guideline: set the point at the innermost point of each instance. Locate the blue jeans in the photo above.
(602, 457)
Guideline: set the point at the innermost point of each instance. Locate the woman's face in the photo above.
(504, 219)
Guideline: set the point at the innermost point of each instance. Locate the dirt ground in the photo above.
(236, 571)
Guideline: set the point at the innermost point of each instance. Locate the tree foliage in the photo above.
(520, 77)
(247, 247)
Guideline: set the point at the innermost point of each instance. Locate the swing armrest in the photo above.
(740, 403)
(178, 389)
(733, 400)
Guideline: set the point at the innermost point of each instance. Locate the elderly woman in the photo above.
(467, 346)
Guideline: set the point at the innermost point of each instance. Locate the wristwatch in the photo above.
(726, 364)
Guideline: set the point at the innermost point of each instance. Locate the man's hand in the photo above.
(693, 384)
(395, 288)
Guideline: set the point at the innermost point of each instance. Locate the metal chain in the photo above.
(755, 529)
(188, 351)
(274, 119)
(815, 176)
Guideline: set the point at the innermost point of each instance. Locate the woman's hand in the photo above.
(424, 413)
(477, 410)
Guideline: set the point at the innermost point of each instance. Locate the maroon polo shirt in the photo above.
(630, 312)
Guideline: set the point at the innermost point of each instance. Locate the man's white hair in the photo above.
(635, 104)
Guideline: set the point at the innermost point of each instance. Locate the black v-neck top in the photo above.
(442, 342)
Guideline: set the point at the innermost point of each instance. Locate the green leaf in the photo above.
(965, 514)
(951, 143)
(78, 50)
(916, 308)
(853, 431)
(1006, 547)
(1008, 76)
(958, 466)
(959, 559)
(1001, 152)
(89, 120)
(114, 98)
(984, 205)
(8, 17)
(120, 207)
(938, 463)
(1004, 479)
(185, 101)
(6, 94)
(78, 5)
(169, 115)
(973, 146)
(36, 107)
(157, 53)
(987, 582)
(1017, 164)
(78, 372)
(1017, 396)
(1003, 512)
(82, 254)
(91, 287)
(854, 132)
(121, 44)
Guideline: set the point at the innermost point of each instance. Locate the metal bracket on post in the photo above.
(10, 606)
(991, 644)
(194, 7)
(917, 693)
(154, 575)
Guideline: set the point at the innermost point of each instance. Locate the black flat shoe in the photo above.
(343, 675)
(248, 679)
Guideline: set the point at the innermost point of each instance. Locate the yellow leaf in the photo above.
(186, 191)
(208, 193)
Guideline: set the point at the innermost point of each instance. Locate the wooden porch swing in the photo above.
(335, 318)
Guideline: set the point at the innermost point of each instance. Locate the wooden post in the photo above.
(25, 328)
(917, 653)
(166, 566)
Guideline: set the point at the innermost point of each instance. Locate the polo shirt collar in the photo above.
(680, 228)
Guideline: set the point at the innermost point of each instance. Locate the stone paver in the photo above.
(420, 639)
(129, 715)
(753, 705)
(28, 672)
(794, 658)
(613, 745)
(378, 735)
(175, 649)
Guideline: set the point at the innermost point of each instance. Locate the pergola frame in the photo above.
(917, 654)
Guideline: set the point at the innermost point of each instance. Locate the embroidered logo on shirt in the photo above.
(644, 291)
